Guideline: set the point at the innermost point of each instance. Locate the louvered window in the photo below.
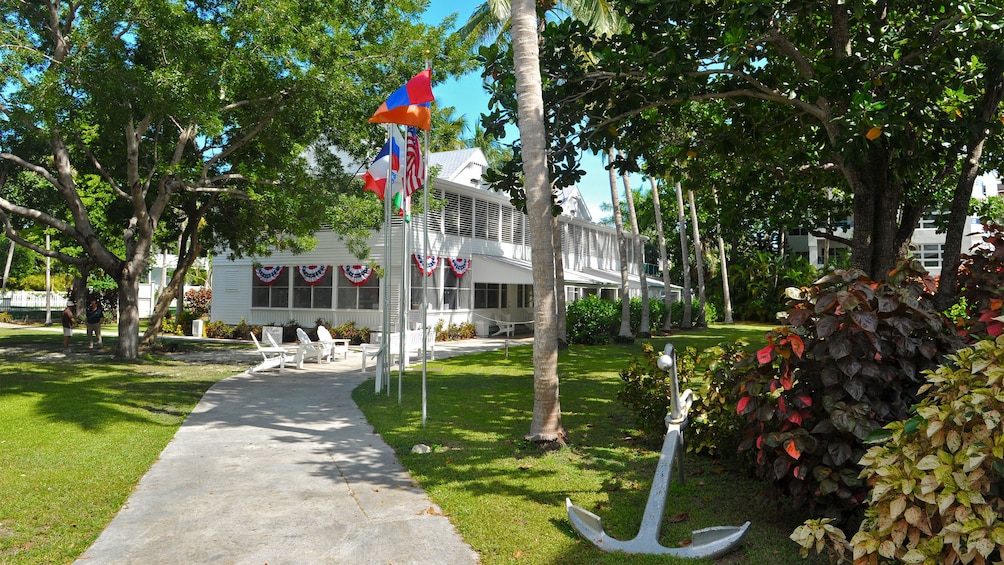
(507, 224)
(518, 228)
(493, 221)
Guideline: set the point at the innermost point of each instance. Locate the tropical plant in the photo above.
(848, 362)
(592, 320)
(935, 477)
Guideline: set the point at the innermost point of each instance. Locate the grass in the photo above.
(76, 435)
(507, 498)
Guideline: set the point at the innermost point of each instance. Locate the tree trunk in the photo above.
(645, 327)
(625, 330)
(685, 323)
(559, 284)
(726, 291)
(699, 260)
(128, 344)
(992, 95)
(189, 250)
(667, 323)
(545, 425)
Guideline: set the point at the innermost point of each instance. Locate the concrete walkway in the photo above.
(280, 469)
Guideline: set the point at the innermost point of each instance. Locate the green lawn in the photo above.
(76, 435)
(508, 499)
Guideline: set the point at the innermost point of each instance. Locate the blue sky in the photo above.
(470, 101)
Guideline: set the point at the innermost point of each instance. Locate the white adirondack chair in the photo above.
(273, 356)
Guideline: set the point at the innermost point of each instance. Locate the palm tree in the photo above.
(625, 330)
(685, 323)
(491, 20)
(545, 425)
(639, 250)
(726, 291)
(698, 258)
(667, 323)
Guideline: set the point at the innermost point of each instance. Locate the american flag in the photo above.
(414, 172)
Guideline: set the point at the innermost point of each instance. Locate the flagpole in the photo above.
(384, 358)
(402, 324)
(425, 259)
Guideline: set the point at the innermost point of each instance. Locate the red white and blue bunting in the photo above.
(427, 265)
(357, 274)
(459, 265)
(312, 274)
(268, 275)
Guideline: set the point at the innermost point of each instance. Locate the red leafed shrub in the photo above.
(848, 362)
(980, 283)
(198, 301)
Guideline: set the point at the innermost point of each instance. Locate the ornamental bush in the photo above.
(938, 477)
(849, 361)
(198, 301)
(592, 320)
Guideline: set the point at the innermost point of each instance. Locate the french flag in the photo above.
(387, 163)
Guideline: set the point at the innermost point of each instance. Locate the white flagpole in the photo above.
(383, 361)
(425, 258)
(402, 325)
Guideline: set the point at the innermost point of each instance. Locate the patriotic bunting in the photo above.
(357, 274)
(268, 275)
(312, 274)
(459, 265)
(427, 265)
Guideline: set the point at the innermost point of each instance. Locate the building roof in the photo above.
(462, 166)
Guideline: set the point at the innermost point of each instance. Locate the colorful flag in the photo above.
(388, 161)
(410, 104)
(414, 166)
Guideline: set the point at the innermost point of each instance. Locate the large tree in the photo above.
(165, 110)
(896, 97)
(545, 425)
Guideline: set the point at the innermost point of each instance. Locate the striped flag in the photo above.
(414, 172)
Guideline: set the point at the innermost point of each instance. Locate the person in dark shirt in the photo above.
(68, 322)
(95, 314)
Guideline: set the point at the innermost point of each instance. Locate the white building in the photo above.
(479, 264)
(927, 243)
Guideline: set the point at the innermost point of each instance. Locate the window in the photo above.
(316, 295)
(456, 293)
(363, 297)
(524, 296)
(458, 215)
(930, 255)
(491, 295)
(275, 295)
(432, 293)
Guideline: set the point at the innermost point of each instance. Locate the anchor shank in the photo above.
(651, 521)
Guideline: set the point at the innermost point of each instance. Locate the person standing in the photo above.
(68, 322)
(95, 314)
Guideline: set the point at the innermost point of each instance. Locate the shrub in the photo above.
(937, 477)
(656, 312)
(184, 322)
(241, 331)
(710, 312)
(218, 329)
(349, 331)
(848, 362)
(714, 426)
(455, 332)
(289, 332)
(199, 301)
(592, 320)
(6, 318)
(980, 287)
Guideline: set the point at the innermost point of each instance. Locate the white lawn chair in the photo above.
(337, 345)
(273, 356)
(308, 346)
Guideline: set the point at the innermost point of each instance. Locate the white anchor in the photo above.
(707, 543)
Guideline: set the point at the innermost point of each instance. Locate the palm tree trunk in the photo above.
(726, 291)
(625, 330)
(699, 259)
(644, 328)
(559, 284)
(545, 425)
(667, 323)
(684, 259)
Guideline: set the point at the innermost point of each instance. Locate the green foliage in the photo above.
(656, 313)
(592, 320)
(848, 362)
(60, 282)
(218, 329)
(184, 322)
(6, 318)
(242, 330)
(710, 312)
(455, 332)
(981, 287)
(199, 301)
(936, 477)
(349, 331)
